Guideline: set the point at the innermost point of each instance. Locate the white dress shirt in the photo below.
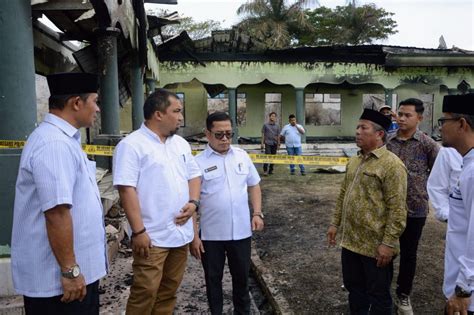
(53, 171)
(443, 178)
(225, 213)
(459, 255)
(160, 173)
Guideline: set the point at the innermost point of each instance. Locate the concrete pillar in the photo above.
(17, 100)
(389, 97)
(232, 94)
(300, 119)
(150, 85)
(136, 78)
(108, 79)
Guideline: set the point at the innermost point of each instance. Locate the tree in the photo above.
(274, 22)
(195, 29)
(347, 25)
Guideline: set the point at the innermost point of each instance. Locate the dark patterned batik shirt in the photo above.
(418, 154)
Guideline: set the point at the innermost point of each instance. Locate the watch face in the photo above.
(76, 271)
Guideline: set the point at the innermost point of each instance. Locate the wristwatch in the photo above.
(259, 214)
(197, 203)
(461, 293)
(72, 273)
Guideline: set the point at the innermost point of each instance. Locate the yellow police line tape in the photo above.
(107, 150)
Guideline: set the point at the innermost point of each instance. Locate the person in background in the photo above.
(457, 131)
(270, 140)
(387, 111)
(292, 133)
(418, 152)
(443, 178)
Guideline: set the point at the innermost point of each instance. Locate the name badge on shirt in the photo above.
(210, 169)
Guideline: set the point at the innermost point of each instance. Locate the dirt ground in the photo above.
(293, 246)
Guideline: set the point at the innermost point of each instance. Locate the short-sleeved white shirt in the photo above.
(53, 171)
(160, 173)
(225, 213)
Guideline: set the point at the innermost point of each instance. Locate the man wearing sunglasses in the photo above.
(457, 131)
(229, 180)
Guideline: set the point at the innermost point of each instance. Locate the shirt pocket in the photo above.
(370, 181)
(212, 181)
(241, 169)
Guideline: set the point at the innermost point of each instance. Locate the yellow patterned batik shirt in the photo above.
(371, 208)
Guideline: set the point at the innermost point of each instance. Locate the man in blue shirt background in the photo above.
(292, 133)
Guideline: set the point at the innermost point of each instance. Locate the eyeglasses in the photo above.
(442, 120)
(220, 134)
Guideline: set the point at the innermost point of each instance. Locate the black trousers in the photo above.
(54, 306)
(213, 260)
(368, 285)
(408, 248)
(269, 149)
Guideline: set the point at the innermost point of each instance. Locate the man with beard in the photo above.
(159, 183)
(457, 131)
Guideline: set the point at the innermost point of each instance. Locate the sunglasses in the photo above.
(220, 134)
(442, 120)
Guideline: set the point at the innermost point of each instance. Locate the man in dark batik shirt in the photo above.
(418, 152)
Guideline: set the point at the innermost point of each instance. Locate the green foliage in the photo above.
(347, 25)
(274, 22)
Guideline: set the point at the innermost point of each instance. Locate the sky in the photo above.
(420, 22)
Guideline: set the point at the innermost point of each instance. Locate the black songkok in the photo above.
(459, 104)
(72, 83)
(376, 117)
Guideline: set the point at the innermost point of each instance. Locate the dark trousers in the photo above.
(368, 285)
(54, 306)
(269, 149)
(238, 257)
(408, 248)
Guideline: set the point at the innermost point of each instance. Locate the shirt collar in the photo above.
(468, 157)
(209, 151)
(151, 134)
(377, 152)
(417, 136)
(63, 125)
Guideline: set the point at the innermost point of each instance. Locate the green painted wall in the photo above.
(195, 106)
(351, 105)
(350, 80)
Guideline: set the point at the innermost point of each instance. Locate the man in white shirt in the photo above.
(457, 131)
(58, 239)
(443, 178)
(229, 179)
(159, 182)
(292, 133)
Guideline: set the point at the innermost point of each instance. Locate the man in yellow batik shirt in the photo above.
(370, 216)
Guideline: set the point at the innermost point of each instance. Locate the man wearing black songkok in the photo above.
(370, 215)
(457, 131)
